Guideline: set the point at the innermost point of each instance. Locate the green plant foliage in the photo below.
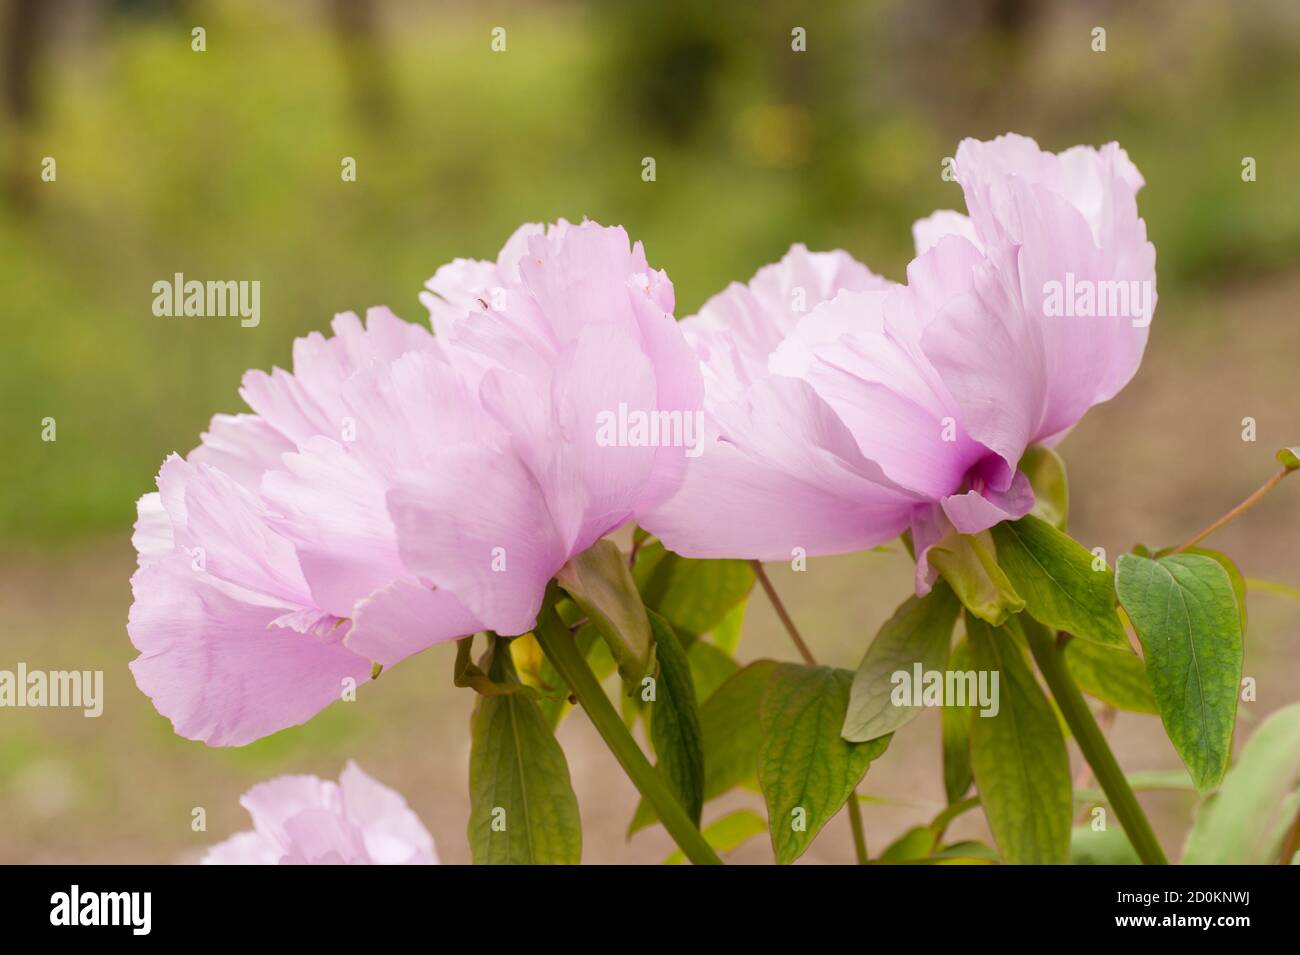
(522, 806)
(918, 633)
(675, 721)
(1060, 581)
(1019, 759)
(806, 768)
(1248, 819)
(1185, 612)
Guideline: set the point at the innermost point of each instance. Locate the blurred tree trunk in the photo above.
(356, 27)
(24, 37)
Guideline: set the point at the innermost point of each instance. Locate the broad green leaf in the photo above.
(923, 842)
(1108, 846)
(1115, 676)
(1245, 822)
(1055, 575)
(968, 562)
(522, 806)
(915, 843)
(806, 769)
(940, 823)
(675, 721)
(1185, 613)
(710, 667)
(726, 634)
(695, 595)
(727, 833)
(600, 583)
(957, 775)
(1046, 473)
(1022, 770)
(967, 852)
(730, 732)
(917, 635)
(1234, 574)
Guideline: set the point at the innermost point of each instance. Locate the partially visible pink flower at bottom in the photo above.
(306, 820)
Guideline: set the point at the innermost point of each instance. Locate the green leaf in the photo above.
(522, 806)
(1046, 473)
(918, 634)
(806, 769)
(675, 721)
(968, 852)
(600, 583)
(1245, 822)
(710, 667)
(1055, 575)
(1234, 574)
(727, 833)
(1021, 766)
(730, 732)
(695, 595)
(1185, 613)
(726, 634)
(957, 775)
(915, 843)
(1289, 458)
(1114, 676)
(1105, 847)
(968, 562)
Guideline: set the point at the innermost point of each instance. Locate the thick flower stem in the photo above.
(559, 646)
(855, 811)
(1050, 656)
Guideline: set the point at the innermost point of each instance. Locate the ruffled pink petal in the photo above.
(976, 511)
(859, 351)
(331, 505)
(927, 232)
(393, 834)
(242, 446)
(323, 837)
(244, 848)
(990, 357)
(471, 523)
(782, 473)
(404, 618)
(213, 664)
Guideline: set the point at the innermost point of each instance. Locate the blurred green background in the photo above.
(225, 164)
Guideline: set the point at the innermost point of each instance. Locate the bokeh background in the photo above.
(226, 164)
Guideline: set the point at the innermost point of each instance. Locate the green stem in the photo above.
(859, 831)
(1050, 656)
(559, 646)
(1237, 511)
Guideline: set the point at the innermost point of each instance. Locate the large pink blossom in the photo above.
(305, 820)
(400, 489)
(909, 406)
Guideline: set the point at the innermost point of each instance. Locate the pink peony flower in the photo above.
(305, 820)
(399, 490)
(900, 407)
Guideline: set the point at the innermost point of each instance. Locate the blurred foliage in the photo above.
(225, 165)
